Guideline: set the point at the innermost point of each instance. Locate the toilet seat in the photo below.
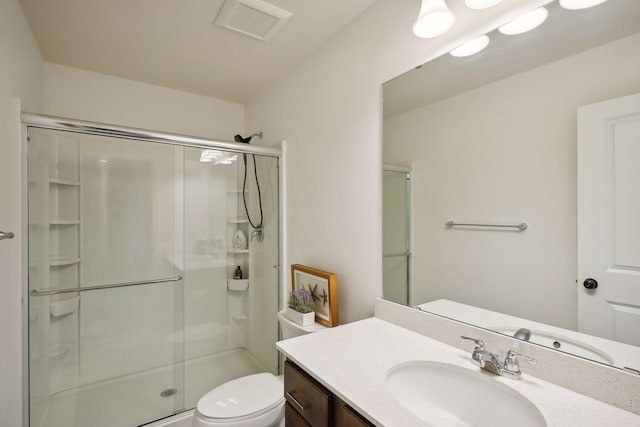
(243, 402)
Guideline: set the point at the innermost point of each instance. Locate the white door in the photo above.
(609, 219)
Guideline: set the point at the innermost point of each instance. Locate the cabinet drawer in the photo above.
(346, 416)
(308, 397)
(292, 418)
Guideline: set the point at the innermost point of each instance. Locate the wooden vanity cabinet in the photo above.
(310, 404)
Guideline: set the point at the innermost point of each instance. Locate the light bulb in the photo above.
(471, 47)
(434, 19)
(481, 4)
(526, 22)
(579, 4)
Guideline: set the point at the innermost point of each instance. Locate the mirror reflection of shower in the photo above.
(396, 233)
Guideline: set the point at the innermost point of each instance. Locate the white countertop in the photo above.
(353, 361)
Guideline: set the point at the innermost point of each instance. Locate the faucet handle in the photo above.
(511, 361)
(479, 343)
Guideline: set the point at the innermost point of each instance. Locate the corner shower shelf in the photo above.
(237, 221)
(63, 221)
(238, 251)
(64, 307)
(61, 181)
(239, 285)
(58, 261)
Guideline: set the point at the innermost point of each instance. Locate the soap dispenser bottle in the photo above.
(239, 239)
(238, 273)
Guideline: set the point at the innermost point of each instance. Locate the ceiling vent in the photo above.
(254, 18)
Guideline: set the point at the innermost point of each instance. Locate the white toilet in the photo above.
(251, 401)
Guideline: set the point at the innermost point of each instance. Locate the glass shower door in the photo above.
(105, 295)
(231, 285)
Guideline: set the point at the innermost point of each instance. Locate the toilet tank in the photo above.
(292, 330)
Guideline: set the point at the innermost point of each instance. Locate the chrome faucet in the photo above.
(489, 361)
(523, 334)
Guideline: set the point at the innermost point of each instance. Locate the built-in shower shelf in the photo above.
(57, 261)
(237, 221)
(63, 221)
(237, 191)
(239, 285)
(238, 251)
(61, 181)
(64, 307)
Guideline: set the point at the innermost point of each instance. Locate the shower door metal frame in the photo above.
(94, 128)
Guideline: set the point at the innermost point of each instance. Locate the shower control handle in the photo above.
(6, 235)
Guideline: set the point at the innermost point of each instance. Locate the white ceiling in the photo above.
(173, 43)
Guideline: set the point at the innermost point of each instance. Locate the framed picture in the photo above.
(323, 287)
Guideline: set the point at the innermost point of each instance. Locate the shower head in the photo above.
(239, 138)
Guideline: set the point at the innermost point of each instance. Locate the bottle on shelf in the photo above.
(239, 240)
(238, 273)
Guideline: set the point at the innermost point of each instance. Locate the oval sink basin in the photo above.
(445, 395)
(568, 345)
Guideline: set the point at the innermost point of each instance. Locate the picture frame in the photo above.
(323, 287)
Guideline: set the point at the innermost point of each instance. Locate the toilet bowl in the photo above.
(252, 401)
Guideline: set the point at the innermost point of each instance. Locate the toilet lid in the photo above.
(242, 396)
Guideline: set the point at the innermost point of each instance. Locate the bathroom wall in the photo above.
(507, 152)
(85, 95)
(21, 68)
(329, 111)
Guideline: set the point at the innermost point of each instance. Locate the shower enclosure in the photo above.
(135, 308)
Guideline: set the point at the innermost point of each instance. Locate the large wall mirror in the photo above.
(542, 129)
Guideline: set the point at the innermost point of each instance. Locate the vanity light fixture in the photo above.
(481, 4)
(526, 22)
(579, 4)
(434, 19)
(471, 47)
